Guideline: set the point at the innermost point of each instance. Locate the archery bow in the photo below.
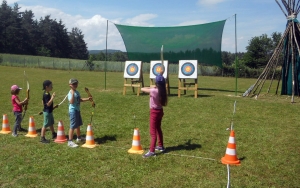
(162, 59)
(92, 101)
(27, 96)
(56, 106)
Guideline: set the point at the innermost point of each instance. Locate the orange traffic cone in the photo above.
(5, 125)
(136, 146)
(31, 130)
(230, 155)
(61, 137)
(89, 140)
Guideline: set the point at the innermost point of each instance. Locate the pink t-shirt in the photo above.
(154, 99)
(16, 107)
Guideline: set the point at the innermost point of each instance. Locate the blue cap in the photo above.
(160, 79)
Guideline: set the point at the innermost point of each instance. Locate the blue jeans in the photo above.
(18, 121)
(75, 119)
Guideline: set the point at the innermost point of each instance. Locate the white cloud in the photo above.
(209, 2)
(11, 2)
(141, 20)
(94, 28)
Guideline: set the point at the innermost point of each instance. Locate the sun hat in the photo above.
(160, 79)
(46, 83)
(14, 87)
(73, 81)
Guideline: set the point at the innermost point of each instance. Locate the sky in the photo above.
(95, 18)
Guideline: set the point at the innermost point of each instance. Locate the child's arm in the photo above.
(85, 99)
(146, 89)
(21, 102)
(51, 100)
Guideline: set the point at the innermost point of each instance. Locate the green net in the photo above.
(196, 42)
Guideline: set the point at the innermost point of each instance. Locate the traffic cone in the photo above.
(89, 139)
(5, 125)
(31, 130)
(230, 155)
(136, 145)
(61, 137)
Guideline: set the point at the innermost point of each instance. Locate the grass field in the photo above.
(266, 134)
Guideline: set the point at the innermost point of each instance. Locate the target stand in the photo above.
(155, 69)
(188, 76)
(133, 76)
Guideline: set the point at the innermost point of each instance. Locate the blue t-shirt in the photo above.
(76, 104)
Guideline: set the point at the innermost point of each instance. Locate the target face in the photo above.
(188, 69)
(132, 69)
(156, 67)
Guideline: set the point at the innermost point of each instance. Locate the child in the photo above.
(17, 108)
(47, 111)
(74, 112)
(158, 99)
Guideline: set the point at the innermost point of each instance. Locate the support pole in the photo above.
(236, 68)
(105, 56)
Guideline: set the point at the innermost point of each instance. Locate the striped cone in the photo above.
(89, 139)
(61, 137)
(31, 130)
(230, 155)
(136, 145)
(5, 125)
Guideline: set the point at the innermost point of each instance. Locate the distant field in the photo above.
(266, 132)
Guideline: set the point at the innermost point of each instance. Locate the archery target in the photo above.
(156, 67)
(132, 69)
(187, 69)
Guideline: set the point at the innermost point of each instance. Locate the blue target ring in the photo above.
(157, 68)
(132, 69)
(187, 69)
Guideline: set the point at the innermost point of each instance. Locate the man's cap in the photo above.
(73, 81)
(46, 83)
(160, 79)
(14, 87)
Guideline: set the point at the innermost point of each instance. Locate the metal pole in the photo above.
(236, 69)
(105, 56)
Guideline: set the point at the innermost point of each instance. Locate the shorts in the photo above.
(75, 119)
(48, 119)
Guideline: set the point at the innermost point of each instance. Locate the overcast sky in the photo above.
(254, 17)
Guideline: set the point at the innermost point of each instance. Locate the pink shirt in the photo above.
(16, 107)
(154, 99)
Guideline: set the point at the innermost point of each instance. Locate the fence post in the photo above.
(24, 61)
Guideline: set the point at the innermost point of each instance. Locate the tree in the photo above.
(260, 50)
(78, 46)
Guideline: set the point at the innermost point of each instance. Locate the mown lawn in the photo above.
(266, 133)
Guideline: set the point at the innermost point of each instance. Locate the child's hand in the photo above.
(53, 95)
(25, 101)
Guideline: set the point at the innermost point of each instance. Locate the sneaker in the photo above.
(149, 154)
(80, 139)
(72, 144)
(14, 135)
(160, 148)
(45, 141)
(54, 135)
(22, 129)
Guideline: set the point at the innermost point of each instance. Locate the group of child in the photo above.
(47, 100)
(158, 99)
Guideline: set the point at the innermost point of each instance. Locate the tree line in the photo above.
(22, 34)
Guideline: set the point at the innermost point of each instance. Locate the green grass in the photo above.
(266, 132)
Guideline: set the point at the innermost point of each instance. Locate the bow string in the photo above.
(27, 95)
(92, 101)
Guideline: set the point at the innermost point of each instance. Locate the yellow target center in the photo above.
(188, 69)
(132, 69)
(158, 69)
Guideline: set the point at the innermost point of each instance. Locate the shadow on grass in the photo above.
(106, 138)
(185, 146)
